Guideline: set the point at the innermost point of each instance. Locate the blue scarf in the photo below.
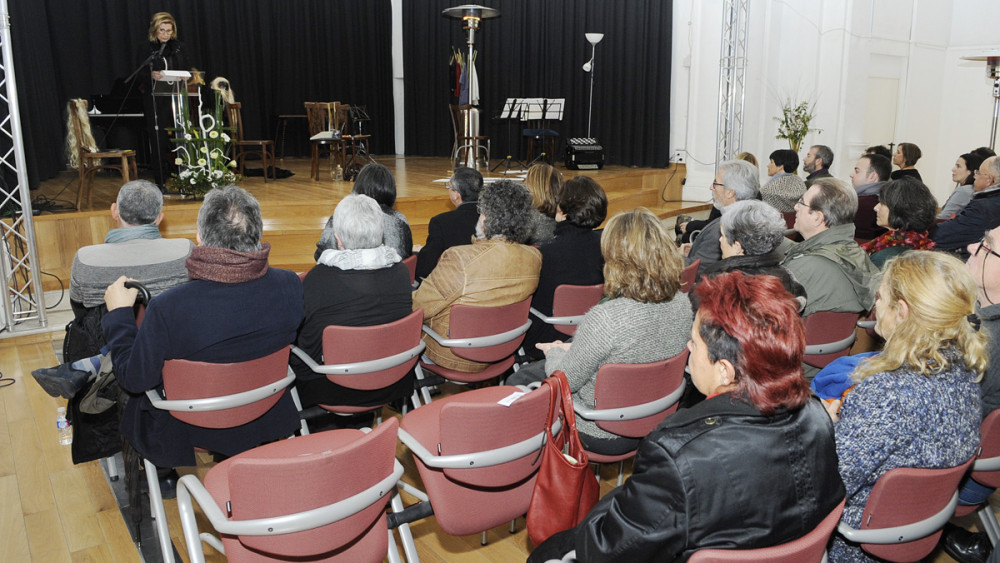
(123, 234)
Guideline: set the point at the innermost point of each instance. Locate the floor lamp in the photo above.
(594, 39)
(992, 59)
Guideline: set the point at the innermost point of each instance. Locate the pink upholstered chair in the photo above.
(690, 275)
(906, 511)
(986, 471)
(632, 399)
(810, 548)
(829, 336)
(481, 334)
(477, 458)
(368, 357)
(323, 495)
(569, 304)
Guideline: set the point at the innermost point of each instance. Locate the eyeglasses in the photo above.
(982, 246)
(803, 203)
(716, 184)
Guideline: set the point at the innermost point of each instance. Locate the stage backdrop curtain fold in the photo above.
(277, 54)
(537, 49)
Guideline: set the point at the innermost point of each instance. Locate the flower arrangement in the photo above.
(793, 124)
(203, 153)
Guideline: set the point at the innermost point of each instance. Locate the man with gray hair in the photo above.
(455, 227)
(496, 269)
(735, 181)
(980, 215)
(235, 308)
(362, 282)
(134, 249)
(836, 272)
(817, 163)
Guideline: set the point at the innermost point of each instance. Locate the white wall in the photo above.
(826, 51)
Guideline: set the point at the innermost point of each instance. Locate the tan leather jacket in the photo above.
(488, 272)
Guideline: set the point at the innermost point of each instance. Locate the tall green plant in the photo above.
(793, 124)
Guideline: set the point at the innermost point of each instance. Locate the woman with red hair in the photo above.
(753, 465)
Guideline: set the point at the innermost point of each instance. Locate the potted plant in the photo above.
(202, 151)
(793, 124)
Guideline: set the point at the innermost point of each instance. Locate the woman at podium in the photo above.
(163, 52)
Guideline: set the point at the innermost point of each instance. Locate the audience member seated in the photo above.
(749, 157)
(708, 476)
(643, 319)
(234, 309)
(572, 257)
(360, 283)
(376, 182)
(870, 174)
(736, 180)
(817, 163)
(785, 187)
(751, 234)
(906, 208)
(134, 249)
(980, 215)
(836, 272)
(544, 183)
(685, 226)
(917, 403)
(456, 227)
(905, 157)
(964, 176)
(984, 265)
(880, 150)
(496, 269)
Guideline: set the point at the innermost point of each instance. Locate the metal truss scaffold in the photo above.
(23, 306)
(732, 77)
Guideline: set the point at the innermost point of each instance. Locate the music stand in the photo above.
(512, 109)
(542, 109)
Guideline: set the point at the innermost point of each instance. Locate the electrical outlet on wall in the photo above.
(678, 156)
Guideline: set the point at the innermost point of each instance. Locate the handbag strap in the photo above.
(575, 448)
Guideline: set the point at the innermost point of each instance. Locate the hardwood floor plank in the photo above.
(76, 508)
(93, 554)
(116, 536)
(32, 473)
(13, 535)
(45, 537)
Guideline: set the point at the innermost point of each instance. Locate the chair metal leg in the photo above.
(513, 526)
(989, 523)
(405, 535)
(621, 471)
(112, 468)
(159, 514)
(483, 540)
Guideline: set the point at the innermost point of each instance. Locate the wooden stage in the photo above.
(295, 209)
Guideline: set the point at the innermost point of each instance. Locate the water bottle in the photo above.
(65, 432)
(338, 173)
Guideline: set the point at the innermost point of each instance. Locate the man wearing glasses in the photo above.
(981, 214)
(836, 272)
(452, 228)
(735, 181)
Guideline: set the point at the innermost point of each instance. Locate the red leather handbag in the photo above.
(566, 488)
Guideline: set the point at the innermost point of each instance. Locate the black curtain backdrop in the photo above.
(281, 53)
(537, 49)
(277, 54)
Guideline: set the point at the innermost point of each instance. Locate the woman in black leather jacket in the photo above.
(754, 465)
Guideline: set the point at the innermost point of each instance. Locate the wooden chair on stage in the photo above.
(329, 131)
(244, 147)
(87, 158)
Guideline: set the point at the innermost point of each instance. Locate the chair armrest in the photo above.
(487, 458)
(866, 324)
(904, 533)
(633, 412)
(830, 347)
(562, 321)
(190, 487)
(223, 402)
(360, 368)
(986, 464)
(478, 341)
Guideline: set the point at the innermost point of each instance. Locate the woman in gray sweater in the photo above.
(640, 320)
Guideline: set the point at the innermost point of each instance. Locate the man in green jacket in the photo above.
(836, 272)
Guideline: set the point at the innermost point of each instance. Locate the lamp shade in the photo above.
(594, 38)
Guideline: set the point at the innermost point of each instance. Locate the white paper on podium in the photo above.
(173, 75)
(534, 108)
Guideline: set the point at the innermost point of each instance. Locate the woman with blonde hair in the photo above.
(917, 403)
(544, 182)
(641, 319)
(162, 51)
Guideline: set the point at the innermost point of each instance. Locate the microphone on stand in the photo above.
(163, 46)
